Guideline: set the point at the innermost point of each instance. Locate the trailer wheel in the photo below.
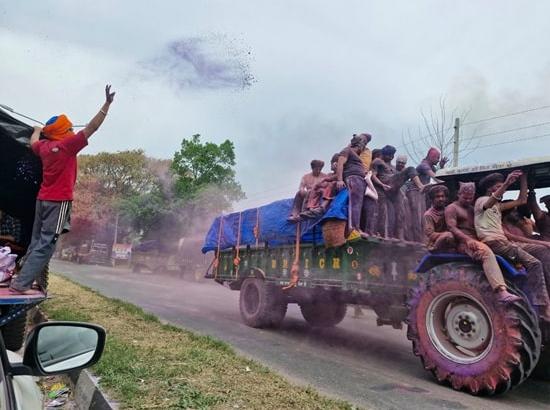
(261, 304)
(466, 338)
(323, 313)
(13, 332)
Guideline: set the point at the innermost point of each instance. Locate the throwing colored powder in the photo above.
(212, 62)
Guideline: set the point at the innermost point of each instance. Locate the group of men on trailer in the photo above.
(390, 201)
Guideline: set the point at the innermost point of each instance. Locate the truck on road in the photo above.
(461, 334)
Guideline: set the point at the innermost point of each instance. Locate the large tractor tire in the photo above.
(323, 313)
(13, 332)
(261, 304)
(465, 337)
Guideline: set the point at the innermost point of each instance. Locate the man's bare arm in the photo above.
(35, 134)
(522, 239)
(340, 171)
(538, 214)
(497, 195)
(522, 197)
(96, 122)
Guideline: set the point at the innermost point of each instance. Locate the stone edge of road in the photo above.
(86, 391)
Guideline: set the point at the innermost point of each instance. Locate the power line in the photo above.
(542, 107)
(540, 124)
(512, 141)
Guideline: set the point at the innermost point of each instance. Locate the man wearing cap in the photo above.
(542, 218)
(58, 151)
(417, 200)
(307, 183)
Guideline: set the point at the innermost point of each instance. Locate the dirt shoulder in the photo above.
(149, 365)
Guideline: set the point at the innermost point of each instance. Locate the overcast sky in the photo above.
(286, 81)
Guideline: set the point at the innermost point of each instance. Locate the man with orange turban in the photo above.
(57, 150)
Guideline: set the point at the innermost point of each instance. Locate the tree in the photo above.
(202, 168)
(437, 130)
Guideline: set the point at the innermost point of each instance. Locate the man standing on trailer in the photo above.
(58, 153)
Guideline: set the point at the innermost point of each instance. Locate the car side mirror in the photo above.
(60, 347)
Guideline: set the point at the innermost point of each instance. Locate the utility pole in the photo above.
(456, 138)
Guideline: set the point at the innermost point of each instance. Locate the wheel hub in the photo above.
(467, 326)
(459, 327)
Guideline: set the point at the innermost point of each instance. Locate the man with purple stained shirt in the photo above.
(459, 217)
(389, 182)
(350, 172)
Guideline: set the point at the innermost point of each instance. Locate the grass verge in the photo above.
(150, 365)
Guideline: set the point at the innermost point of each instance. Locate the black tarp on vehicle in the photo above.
(20, 172)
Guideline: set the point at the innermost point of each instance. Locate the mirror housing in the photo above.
(60, 347)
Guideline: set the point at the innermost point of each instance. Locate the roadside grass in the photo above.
(150, 365)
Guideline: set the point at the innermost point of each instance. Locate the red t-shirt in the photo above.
(59, 166)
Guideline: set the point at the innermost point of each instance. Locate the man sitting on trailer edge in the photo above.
(438, 237)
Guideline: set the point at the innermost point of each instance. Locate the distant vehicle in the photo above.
(94, 254)
(462, 335)
(151, 256)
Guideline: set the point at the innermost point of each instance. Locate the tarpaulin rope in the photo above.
(257, 227)
(237, 260)
(295, 269)
(217, 258)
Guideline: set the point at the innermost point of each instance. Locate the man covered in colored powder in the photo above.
(542, 218)
(307, 183)
(417, 202)
(489, 228)
(58, 153)
(350, 172)
(459, 217)
(389, 182)
(322, 193)
(438, 237)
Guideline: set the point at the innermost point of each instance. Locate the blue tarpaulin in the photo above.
(272, 223)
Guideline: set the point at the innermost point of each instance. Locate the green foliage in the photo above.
(206, 167)
(119, 174)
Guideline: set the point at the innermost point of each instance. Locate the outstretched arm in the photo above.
(522, 197)
(35, 134)
(496, 196)
(533, 206)
(96, 122)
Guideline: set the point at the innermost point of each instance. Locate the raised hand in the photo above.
(109, 96)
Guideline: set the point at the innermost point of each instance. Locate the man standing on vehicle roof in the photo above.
(390, 181)
(488, 223)
(460, 217)
(58, 153)
(542, 218)
(417, 201)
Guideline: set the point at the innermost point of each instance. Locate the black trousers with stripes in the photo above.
(51, 219)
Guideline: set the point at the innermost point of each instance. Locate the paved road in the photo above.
(367, 365)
